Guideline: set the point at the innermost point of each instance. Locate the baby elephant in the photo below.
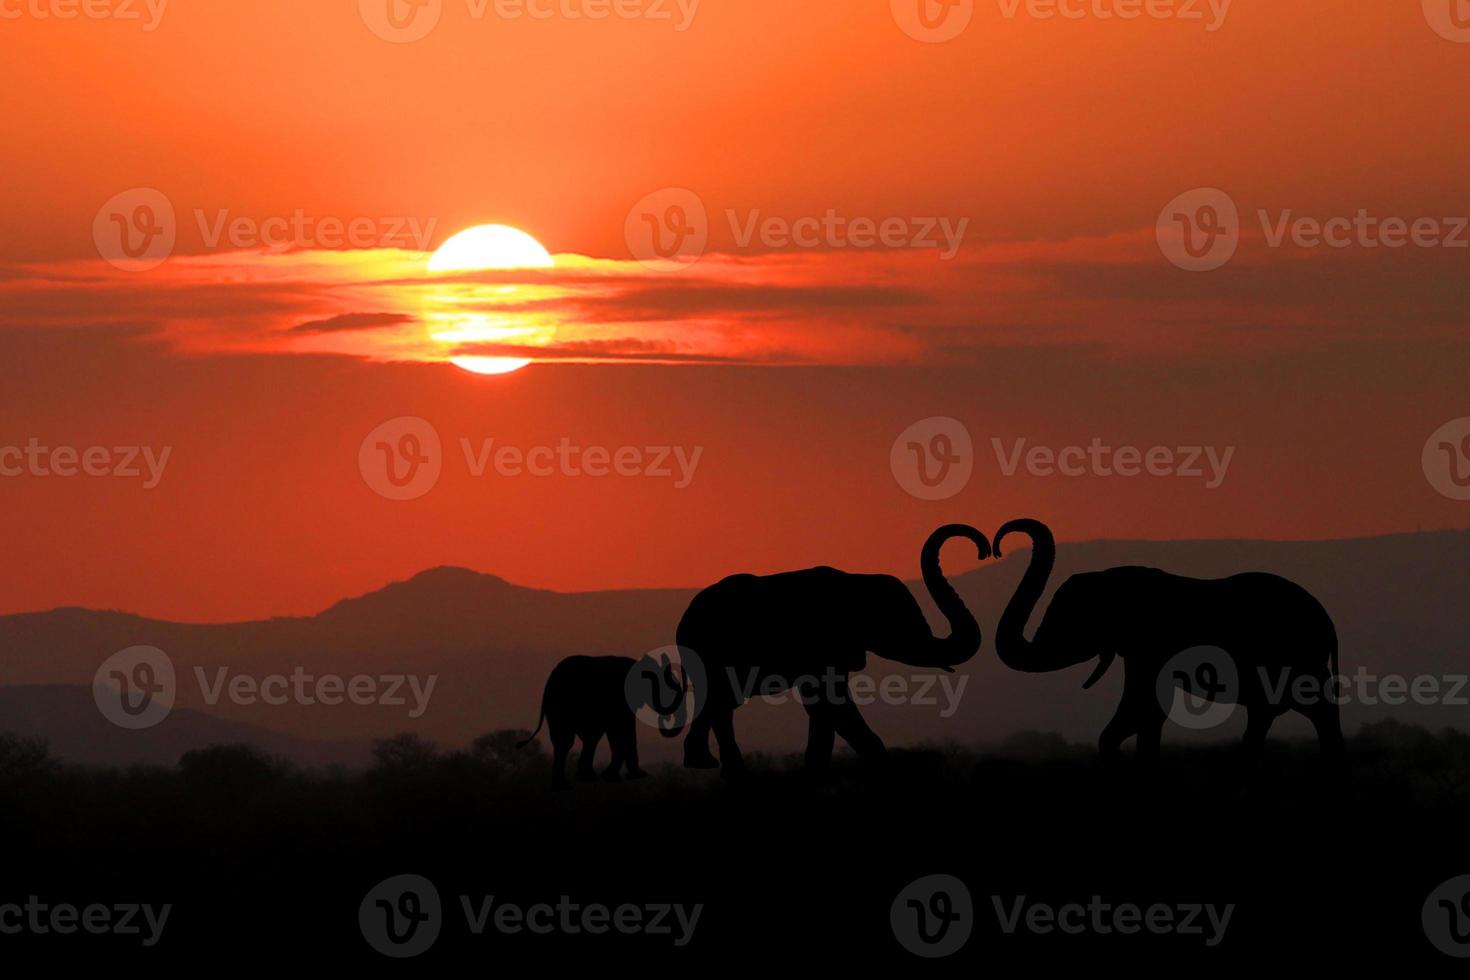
(587, 697)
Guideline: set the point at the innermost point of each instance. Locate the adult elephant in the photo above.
(810, 629)
(1279, 645)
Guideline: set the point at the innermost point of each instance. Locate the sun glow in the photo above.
(476, 249)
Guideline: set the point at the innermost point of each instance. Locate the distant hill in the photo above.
(1399, 603)
(489, 642)
(67, 718)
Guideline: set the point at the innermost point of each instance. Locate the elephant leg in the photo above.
(630, 747)
(851, 726)
(1324, 716)
(1258, 723)
(615, 742)
(821, 737)
(1150, 734)
(1122, 727)
(719, 701)
(696, 744)
(561, 745)
(1139, 713)
(731, 762)
(585, 771)
(821, 730)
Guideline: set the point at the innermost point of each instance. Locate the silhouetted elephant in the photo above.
(587, 697)
(812, 628)
(1276, 634)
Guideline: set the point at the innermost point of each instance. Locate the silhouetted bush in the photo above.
(237, 767)
(498, 752)
(1415, 764)
(1039, 746)
(404, 752)
(24, 758)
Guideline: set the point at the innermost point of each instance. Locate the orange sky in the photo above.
(1055, 318)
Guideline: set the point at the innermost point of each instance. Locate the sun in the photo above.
(490, 247)
(479, 248)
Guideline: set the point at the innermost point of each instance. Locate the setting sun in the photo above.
(490, 247)
(490, 365)
(485, 247)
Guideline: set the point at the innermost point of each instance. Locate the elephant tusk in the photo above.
(1103, 663)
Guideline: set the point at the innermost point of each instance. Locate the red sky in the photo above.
(1057, 319)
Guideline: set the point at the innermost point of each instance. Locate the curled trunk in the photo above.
(964, 637)
(1017, 652)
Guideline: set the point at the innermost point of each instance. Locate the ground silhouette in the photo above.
(270, 862)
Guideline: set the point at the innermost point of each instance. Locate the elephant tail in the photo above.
(532, 737)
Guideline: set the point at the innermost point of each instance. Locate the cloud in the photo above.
(1112, 293)
(353, 321)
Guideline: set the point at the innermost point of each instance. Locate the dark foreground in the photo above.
(261, 863)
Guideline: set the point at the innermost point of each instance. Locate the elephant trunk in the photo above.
(1017, 652)
(676, 715)
(963, 641)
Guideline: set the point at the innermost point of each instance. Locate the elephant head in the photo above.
(657, 686)
(912, 642)
(1075, 627)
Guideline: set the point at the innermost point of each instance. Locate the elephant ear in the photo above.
(1118, 601)
(1076, 614)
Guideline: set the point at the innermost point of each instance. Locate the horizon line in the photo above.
(1023, 549)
